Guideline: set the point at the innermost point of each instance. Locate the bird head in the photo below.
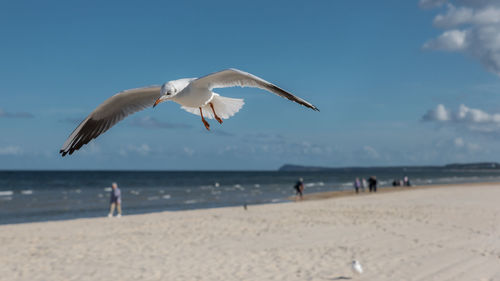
(167, 92)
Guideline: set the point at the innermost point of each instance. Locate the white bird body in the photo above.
(195, 95)
(356, 267)
(192, 97)
(187, 96)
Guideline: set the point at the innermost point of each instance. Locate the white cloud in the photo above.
(465, 15)
(470, 118)
(472, 28)
(463, 145)
(453, 40)
(11, 150)
(440, 113)
(454, 17)
(464, 114)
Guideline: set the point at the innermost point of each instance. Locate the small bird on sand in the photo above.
(356, 267)
(193, 94)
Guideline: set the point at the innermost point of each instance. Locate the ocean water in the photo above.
(28, 196)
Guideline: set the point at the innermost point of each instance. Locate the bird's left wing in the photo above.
(108, 113)
(234, 77)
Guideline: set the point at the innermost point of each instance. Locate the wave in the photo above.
(6, 193)
(312, 184)
(166, 196)
(383, 183)
(27, 192)
(238, 186)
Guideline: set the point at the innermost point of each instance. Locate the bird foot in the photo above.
(215, 114)
(207, 126)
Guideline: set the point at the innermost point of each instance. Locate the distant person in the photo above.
(363, 184)
(372, 183)
(299, 189)
(406, 181)
(395, 183)
(115, 200)
(357, 185)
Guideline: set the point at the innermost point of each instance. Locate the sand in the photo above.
(450, 233)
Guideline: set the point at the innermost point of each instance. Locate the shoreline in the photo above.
(290, 199)
(388, 189)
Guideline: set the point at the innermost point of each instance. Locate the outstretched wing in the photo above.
(234, 77)
(110, 112)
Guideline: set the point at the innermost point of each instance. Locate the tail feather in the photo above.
(223, 106)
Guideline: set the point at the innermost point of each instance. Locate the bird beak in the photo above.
(157, 102)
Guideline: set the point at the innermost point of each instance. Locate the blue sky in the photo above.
(397, 82)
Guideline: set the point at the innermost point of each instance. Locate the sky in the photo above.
(398, 82)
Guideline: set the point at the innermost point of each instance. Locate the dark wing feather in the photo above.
(110, 112)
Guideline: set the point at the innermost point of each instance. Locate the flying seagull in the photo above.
(193, 94)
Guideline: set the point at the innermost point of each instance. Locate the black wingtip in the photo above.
(314, 108)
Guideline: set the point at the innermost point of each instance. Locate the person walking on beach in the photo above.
(115, 201)
(372, 181)
(299, 189)
(363, 184)
(357, 185)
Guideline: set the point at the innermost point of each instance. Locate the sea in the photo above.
(33, 196)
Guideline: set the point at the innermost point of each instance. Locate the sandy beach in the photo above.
(448, 233)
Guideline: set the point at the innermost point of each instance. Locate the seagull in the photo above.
(356, 267)
(193, 94)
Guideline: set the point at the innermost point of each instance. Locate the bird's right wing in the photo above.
(108, 113)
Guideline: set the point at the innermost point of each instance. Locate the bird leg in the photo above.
(207, 126)
(215, 114)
